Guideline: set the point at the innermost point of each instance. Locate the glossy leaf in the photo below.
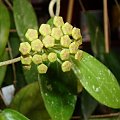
(31, 75)
(3, 68)
(9, 114)
(4, 27)
(98, 80)
(24, 16)
(28, 100)
(58, 91)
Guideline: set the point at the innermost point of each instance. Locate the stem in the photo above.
(10, 61)
(9, 4)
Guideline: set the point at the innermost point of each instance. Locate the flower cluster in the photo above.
(41, 46)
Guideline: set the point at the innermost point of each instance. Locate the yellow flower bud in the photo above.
(37, 45)
(48, 41)
(26, 60)
(37, 59)
(44, 57)
(78, 55)
(79, 42)
(31, 34)
(52, 57)
(76, 33)
(66, 66)
(45, 29)
(64, 54)
(58, 21)
(67, 28)
(25, 48)
(65, 41)
(73, 47)
(57, 33)
(42, 68)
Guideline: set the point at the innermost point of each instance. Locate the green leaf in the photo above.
(28, 100)
(4, 27)
(3, 68)
(58, 90)
(31, 75)
(24, 16)
(98, 80)
(88, 104)
(9, 114)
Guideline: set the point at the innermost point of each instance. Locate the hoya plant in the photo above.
(53, 66)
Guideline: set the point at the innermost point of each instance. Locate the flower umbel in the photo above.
(42, 46)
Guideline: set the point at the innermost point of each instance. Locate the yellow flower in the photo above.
(78, 55)
(58, 21)
(64, 54)
(52, 57)
(66, 66)
(65, 41)
(25, 48)
(37, 45)
(73, 47)
(44, 57)
(45, 29)
(42, 68)
(67, 28)
(76, 33)
(31, 34)
(37, 59)
(26, 60)
(48, 41)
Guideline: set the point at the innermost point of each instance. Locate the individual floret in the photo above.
(73, 47)
(45, 29)
(31, 34)
(57, 33)
(26, 60)
(48, 41)
(42, 68)
(78, 55)
(37, 59)
(67, 28)
(37, 45)
(58, 21)
(64, 54)
(25, 48)
(65, 41)
(76, 33)
(52, 57)
(66, 66)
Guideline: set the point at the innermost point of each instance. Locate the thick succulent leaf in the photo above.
(58, 91)
(28, 100)
(98, 80)
(9, 114)
(4, 27)
(31, 75)
(88, 104)
(24, 16)
(3, 68)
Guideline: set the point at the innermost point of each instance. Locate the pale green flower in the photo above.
(52, 57)
(26, 60)
(66, 66)
(73, 47)
(37, 45)
(76, 33)
(31, 34)
(57, 33)
(67, 28)
(58, 21)
(45, 29)
(64, 54)
(79, 42)
(42, 68)
(44, 57)
(65, 41)
(37, 59)
(25, 48)
(78, 55)
(48, 41)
